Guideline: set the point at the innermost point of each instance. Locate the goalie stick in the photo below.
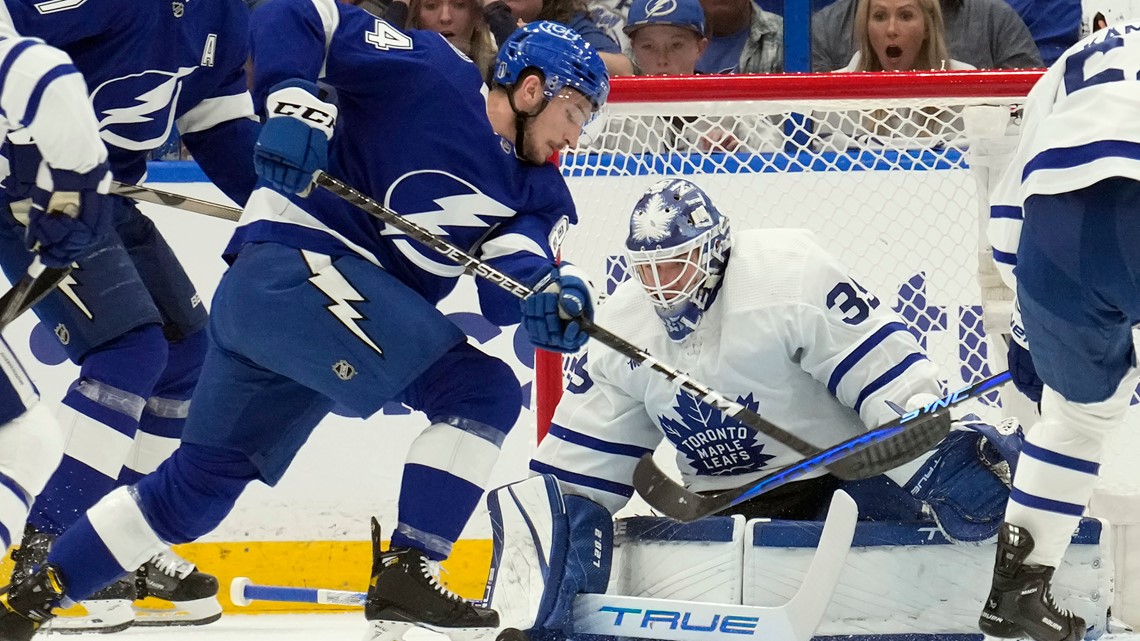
(32, 287)
(868, 454)
(480, 269)
(616, 616)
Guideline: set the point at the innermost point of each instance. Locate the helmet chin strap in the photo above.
(520, 124)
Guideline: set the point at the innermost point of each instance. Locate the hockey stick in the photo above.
(178, 201)
(894, 444)
(32, 287)
(244, 592)
(480, 269)
(669, 620)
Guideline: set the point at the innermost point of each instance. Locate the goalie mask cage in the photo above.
(877, 165)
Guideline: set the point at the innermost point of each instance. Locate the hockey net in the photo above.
(879, 166)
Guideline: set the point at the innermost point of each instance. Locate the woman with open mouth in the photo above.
(900, 35)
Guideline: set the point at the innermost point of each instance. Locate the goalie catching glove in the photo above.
(553, 312)
(70, 210)
(294, 142)
(964, 484)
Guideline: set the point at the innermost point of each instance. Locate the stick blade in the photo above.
(908, 444)
(669, 497)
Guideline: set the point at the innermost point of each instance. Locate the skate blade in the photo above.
(105, 616)
(396, 631)
(152, 612)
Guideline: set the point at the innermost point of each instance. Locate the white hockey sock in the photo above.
(1058, 469)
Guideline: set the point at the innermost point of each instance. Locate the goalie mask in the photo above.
(678, 247)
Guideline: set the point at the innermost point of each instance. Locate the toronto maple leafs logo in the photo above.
(652, 221)
(714, 444)
(446, 206)
(137, 111)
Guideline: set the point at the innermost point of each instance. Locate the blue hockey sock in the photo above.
(452, 460)
(100, 415)
(164, 416)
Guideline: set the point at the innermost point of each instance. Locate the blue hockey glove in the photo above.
(1023, 373)
(550, 315)
(962, 483)
(69, 212)
(294, 142)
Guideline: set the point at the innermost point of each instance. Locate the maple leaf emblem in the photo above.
(714, 444)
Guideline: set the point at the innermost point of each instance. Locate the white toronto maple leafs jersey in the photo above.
(1079, 128)
(42, 92)
(790, 335)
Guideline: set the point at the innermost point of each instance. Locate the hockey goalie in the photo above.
(770, 319)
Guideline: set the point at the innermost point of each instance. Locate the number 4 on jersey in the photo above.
(385, 37)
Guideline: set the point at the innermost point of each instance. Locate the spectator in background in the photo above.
(667, 39)
(895, 35)
(460, 21)
(576, 15)
(1054, 24)
(900, 35)
(743, 38)
(1099, 22)
(987, 34)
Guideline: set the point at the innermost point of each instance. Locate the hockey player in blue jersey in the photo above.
(1066, 236)
(128, 315)
(42, 92)
(323, 304)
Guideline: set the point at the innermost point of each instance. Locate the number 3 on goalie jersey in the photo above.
(853, 300)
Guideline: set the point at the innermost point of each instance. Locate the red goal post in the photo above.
(876, 164)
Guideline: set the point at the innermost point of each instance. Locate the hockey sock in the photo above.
(446, 472)
(164, 415)
(1058, 469)
(30, 448)
(100, 415)
(113, 538)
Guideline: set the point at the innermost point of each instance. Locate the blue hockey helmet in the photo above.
(563, 57)
(678, 247)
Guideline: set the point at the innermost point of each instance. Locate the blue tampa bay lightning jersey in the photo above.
(412, 133)
(153, 65)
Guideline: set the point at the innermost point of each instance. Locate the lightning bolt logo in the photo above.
(150, 101)
(458, 211)
(66, 286)
(336, 287)
(472, 210)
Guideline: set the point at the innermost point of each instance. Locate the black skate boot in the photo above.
(405, 592)
(191, 596)
(1020, 603)
(27, 605)
(108, 610)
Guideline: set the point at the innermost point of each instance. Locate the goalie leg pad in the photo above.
(546, 551)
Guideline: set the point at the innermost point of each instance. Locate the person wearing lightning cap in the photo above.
(773, 321)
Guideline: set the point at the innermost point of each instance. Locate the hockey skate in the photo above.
(27, 605)
(405, 593)
(186, 596)
(108, 610)
(1020, 603)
